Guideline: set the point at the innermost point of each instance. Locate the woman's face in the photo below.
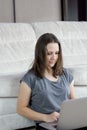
(52, 51)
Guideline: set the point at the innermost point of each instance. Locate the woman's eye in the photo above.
(57, 53)
(49, 53)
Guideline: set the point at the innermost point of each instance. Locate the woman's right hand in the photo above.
(51, 117)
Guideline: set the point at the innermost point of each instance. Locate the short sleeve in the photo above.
(28, 79)
(68, 75)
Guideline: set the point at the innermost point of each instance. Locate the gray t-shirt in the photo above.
(47, 95)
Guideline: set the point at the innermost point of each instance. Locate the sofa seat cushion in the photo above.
(7, 106)
(10, 85)
(80, 74)
(14, 121)
(17, 43)
(81, 91)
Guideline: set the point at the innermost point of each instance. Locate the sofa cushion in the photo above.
(81, 91)
(45, 27)
(10, 85)
(63, 30)
(7, 106)
(14, 121)
(80, 75)
(74, 52)
(17, 43)
(72, 30)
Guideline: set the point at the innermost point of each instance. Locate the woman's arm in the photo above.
(24, 110)
(72, 91)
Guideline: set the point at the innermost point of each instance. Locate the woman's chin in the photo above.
(51, 65)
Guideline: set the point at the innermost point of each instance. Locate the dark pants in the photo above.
(39, 127)
(81, 128)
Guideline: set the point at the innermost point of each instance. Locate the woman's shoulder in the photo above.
(29, 74)
(67, 74)
(28, 78)
(65, 70)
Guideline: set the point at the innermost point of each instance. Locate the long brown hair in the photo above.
(39, 64)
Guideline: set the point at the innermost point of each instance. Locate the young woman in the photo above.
(46, 85)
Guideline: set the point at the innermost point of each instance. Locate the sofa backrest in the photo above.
(17, 43)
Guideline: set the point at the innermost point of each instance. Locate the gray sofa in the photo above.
(17, 42)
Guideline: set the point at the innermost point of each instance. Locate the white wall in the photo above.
(37, 10)
(6, 11)
(30, 10)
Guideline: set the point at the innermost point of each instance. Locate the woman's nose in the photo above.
(53, 56)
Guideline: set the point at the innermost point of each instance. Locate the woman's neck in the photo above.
(49, 75)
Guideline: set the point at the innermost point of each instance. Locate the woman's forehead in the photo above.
(52, 46)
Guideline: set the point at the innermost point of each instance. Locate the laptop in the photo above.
(73, 115)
